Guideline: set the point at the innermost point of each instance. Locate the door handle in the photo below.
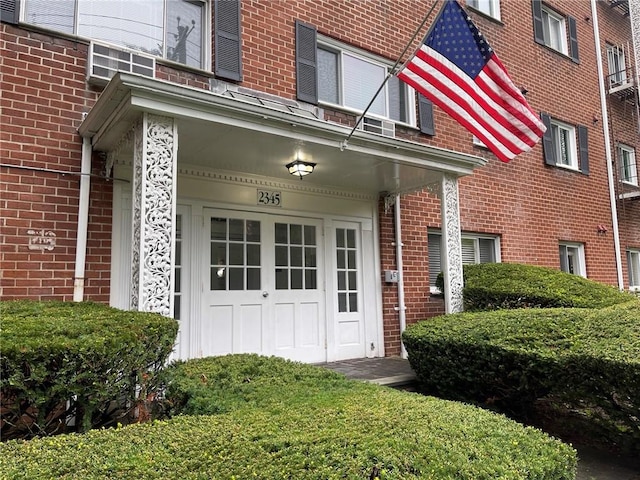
(265, 294)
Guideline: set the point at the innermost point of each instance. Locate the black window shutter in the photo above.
(583, 145)
(573, 39)
(538, 33)
(228, 44)
(306, 62)
(425, 108)
(9, 11)
(547, 141)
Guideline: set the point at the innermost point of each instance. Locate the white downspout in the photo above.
(83, 221)
(607, 146)
(401, 306)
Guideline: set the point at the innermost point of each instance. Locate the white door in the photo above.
(349, 304)
(263, 286)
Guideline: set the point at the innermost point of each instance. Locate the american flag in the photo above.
(457, 70)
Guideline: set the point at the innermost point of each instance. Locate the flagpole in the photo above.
(391, 72)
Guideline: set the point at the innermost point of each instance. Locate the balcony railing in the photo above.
(621, 5)
(623, 85)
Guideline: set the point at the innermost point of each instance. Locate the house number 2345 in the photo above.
(270, 198)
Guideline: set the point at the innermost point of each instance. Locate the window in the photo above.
(633, 261)
(350, 79)
(553, 29)
(488, 7)
(627, 163)
(170, 29)
(572, 259)
(475, 249)
(562, 142)
(617, 66)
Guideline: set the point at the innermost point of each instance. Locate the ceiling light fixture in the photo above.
(300, 168)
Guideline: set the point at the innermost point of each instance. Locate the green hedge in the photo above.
(281, 420)
(491, 286)
(62, 359)
(585, 360)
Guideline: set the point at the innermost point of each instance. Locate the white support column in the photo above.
(452, 244)
(154, 209)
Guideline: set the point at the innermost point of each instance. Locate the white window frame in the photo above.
(490, 8)
(341, 50)
(571, 160)
(205, 41)
(616, 62)
(633, 263)
(554, 28)
(572, 256)
(628, 168)
(465, 237)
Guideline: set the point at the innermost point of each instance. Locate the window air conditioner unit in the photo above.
(105, 61)
(386, 128)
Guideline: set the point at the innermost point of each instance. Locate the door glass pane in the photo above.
(340, 258)
(342, 281)
(296, 256)
(310, 279)
(236, 230)
(282, 279)
(342, 302)
(236, 254)
(296, 279)
(351, 254)
(218, 229)
(218, 278)
(253, 279)
(352, 281)
(282, 257)
(310, 257)
(253, 254)
(351, 239)
(296, 234)
(309, 235)
(353, 302)
(236, 279)
(340, 237)
(281, 233)
(218, 253)
(253, 231)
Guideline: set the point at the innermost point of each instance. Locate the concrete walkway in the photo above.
(396, 372)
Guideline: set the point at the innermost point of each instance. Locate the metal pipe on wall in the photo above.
(83, 221)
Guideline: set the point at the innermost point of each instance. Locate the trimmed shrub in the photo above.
(86, 360)
(491, 286)
(584, 360)
(287, 420)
